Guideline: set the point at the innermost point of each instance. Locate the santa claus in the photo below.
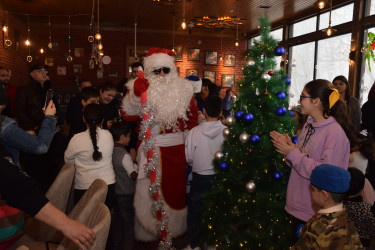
(166, 105)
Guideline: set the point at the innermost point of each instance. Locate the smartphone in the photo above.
(48, 98)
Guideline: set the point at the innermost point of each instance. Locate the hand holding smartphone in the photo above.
(49, 96)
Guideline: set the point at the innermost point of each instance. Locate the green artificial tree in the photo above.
(245, 208)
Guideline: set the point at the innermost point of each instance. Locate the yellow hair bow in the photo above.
(333, 97)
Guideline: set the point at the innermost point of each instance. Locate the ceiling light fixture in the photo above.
(224, 22)
(236, 43)
(329, 30)
(183, 25)
(321, 4)
(29, 58)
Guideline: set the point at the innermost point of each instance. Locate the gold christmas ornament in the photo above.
(69, 58)
(29, 58)
(226, 132)
(244, 137)
(219, 155)
(250, 186)
(91, 39)
(230, 121)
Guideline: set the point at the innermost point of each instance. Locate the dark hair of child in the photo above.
(136, 65)
(93, 115)
(213, 106)
(365, 145)
(88, 93)
(107, 86)
(119, 128)
(206, 82)
(357, 181)
(320, 89)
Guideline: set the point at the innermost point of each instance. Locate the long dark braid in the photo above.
(93, 115)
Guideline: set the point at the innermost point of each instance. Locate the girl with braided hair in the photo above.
(91, 154)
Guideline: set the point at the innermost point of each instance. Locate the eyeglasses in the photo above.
(165, 70)
(41, 71)
(303, 96)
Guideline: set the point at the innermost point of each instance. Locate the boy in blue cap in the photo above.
(330, 227)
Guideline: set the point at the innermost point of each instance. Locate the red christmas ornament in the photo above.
(270, 73)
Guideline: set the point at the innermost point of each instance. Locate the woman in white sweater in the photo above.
(91, 154)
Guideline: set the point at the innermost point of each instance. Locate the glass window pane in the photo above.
(339, 16)
(370, 7)
(301, 69)
(277, 34)
(303, 27)
(332, 58)
(367, 78)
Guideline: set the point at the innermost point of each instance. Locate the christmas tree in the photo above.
(245, 208)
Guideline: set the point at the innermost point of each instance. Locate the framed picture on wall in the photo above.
(227, 80)
(191, 72)
(229, 60)
(211, 75)
(178, 55)
(211, 58)
(193, 54)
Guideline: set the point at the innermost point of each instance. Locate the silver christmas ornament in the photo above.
(226, 132)
(230, 121)
(250, 186)
(244, 137)
(266, 76)
(218, 155)
(250, 62)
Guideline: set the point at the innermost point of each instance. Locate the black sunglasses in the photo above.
(165, 70)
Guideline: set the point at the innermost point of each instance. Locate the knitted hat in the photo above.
(330, 178)
(3, 97)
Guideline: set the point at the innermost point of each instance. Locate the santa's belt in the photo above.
(171, 139)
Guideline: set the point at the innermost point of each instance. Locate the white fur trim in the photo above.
(131, 104)
(146, 228)
(158, 60)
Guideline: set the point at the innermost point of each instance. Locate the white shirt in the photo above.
(79, 153)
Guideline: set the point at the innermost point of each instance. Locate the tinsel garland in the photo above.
(152, 165)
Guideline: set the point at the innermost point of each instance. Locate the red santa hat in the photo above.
(157, 58)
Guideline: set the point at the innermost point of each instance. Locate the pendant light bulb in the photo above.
(27, 42)
(236, 44)
(5, 28)
(41, 51)
(321, 4)
(329, 31)
(183, 25)
(98, 36)
(100, 46)
(101, 53)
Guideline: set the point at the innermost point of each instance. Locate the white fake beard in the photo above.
(168, 98)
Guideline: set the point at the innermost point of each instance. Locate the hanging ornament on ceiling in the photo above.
(226, 132)
(69, 58)
(279, 50)
(7, 41)
(29, 58)
(250, 186)
(50, 34)
(244, 137)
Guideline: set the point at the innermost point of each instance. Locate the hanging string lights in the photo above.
(7, 41)
(183, 25)
(91, 29)
(50, 33)
(69, 58)
(29, 58)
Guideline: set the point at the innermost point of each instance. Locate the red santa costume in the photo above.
(170, 109)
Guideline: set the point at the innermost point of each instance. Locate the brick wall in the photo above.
(115, 44)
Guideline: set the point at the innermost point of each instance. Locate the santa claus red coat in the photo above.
(172, 110)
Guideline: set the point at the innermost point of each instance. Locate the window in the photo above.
(301, 69)
(370, 9)
(303, 27)
(367, 77)
(339, 16)
(333, 57)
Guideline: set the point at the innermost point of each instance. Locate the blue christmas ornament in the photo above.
(238, 114)
(223, 166)
(295, 139)
(248, 118)
(290, 113)
(281, 94)
(254, 139)
(278, 175)
(279, 50)
(286, 80)
(280, 111)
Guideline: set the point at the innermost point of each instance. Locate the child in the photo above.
(324, 139)
(89, 95)
(90, 163)
(359, 211)
(126, 174)
(201, 145)
(330, 227)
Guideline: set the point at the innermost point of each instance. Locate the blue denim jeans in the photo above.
(199, 185)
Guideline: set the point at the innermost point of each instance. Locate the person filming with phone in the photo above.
(32, 101)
